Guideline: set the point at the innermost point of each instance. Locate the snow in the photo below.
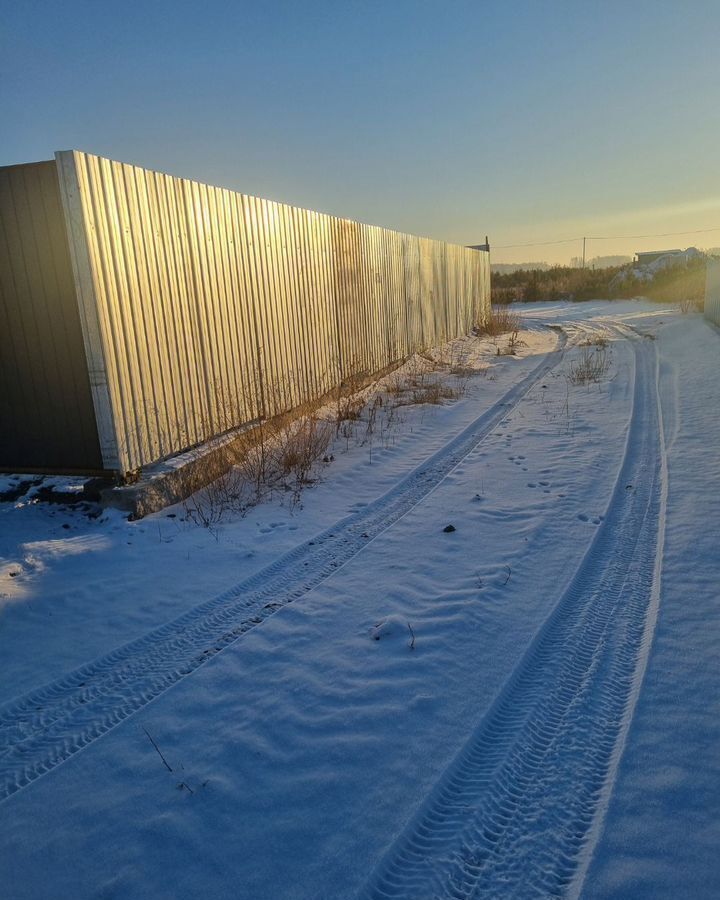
(663, 827)
(351, 691)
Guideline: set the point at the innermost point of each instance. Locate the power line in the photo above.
(617, 237)
(632, 237)
(536, 244)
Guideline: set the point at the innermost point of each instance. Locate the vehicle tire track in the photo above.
(40, 730)
(516, 810)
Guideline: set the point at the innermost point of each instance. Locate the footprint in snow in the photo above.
(266, 529)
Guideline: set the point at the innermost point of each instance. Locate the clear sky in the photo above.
(527, 121)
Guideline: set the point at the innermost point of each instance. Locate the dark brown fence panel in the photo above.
(47, 419)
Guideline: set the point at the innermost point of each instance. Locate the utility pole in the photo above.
(583, 265)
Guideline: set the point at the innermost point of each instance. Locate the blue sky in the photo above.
(523, 120)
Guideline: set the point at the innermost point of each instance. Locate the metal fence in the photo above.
(712, 291)
(202, 309)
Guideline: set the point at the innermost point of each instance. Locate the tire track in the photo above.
(517, 812)
(44, 728)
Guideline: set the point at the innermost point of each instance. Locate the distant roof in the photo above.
(657, 252)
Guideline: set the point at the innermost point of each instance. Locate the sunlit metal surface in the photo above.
(203, 309)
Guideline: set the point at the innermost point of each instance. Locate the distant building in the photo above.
(608, 262)
(645, 259)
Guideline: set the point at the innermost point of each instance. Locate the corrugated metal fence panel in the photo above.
(377, 318)
(454, 324)
(47, 419)
(349, 299)
(396, 301)
(389, 337)
(426, 293)
(411, 264)
(712, 291)
(209, 309)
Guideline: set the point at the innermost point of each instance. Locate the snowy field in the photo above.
(343, 697)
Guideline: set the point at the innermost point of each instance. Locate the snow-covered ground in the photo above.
(344, 699)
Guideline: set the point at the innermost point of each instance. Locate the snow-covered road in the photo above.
(513, 814)
(358, 703)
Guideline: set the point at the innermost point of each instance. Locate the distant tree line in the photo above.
(684, 281)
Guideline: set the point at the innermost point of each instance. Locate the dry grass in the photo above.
(348, 409)
(591, 366)
(691, 304)
(512, 346)
(421, 382)
(285, 454)
(296, 450)
(429, 391)
(600, 341)
(500, 321)
(277, 456)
